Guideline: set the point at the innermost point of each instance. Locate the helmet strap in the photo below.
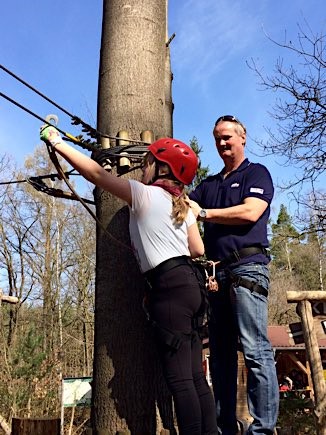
(157, 174)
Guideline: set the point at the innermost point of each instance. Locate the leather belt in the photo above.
(236, 256)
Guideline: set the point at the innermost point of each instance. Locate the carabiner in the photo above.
(52, 119)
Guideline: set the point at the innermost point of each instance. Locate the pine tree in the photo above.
(203, 171)
(284, 236)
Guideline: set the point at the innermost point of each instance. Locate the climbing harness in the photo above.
(174, 339)
(236, 280)
(250, 285)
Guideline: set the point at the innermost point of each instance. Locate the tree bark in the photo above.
(131, 97)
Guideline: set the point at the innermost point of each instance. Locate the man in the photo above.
(234, 206)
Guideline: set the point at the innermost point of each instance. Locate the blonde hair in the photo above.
(239, 129)
(180, 204)
(180, 208)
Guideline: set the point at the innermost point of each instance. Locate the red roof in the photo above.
(280, 338)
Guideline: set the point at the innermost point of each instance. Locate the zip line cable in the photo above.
(93, 147)
(36, 91)
(93, 132)
(135, 152)
(39, 177)
(89, 147)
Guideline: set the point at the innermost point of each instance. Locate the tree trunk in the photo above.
(131, 97)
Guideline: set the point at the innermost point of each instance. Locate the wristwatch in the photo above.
(202, 215)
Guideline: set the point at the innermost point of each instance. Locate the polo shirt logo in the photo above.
(256, 190)
(235, 185)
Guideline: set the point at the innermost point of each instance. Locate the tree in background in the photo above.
(317, 233)
(203, 171)
(32, 358)
(298, 262)
(283, 241)
(301, 112)
(284, 236)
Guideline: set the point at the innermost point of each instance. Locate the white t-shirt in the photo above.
(154, 237)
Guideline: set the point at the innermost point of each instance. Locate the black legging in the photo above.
(173, 302)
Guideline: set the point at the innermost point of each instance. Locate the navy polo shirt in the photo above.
(248, 180)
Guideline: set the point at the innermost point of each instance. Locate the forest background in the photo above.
(47, 254)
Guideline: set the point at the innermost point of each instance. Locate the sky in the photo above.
(55, 47)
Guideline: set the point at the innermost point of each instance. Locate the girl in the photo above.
(164, 236)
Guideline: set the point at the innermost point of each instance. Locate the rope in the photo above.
(61, 173)
(39, 177)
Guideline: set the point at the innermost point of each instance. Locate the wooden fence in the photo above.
(39, 426)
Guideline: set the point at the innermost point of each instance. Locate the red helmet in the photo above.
(182, 160)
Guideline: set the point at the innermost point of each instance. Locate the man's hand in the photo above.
(194, 207)
(50, 135)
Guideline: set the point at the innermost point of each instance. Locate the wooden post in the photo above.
(147, 136)
(293, 296)
(313, 352)
(39, 426)
(311, 342)
(8, 299)
(124, 162)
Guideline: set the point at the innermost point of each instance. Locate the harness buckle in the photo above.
(236, 279)
(266, 251)
(211, 283)
(236, 255)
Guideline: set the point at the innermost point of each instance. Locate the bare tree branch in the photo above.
(300, 111)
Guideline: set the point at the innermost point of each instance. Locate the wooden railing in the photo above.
(304, 309)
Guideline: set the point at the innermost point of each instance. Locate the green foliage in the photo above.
(284, 226)
(301, 257)
(305, 263)
(29, 356)
(203, 171)
(34, 381)
(284, 237)
(296, 415)
(26, 366)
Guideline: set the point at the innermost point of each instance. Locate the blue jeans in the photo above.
(239, 317)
